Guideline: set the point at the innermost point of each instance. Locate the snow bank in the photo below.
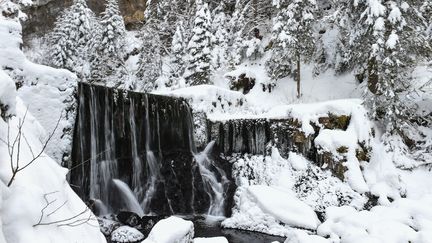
(211, 240)
(284, 206)
(210, 99)
(66, 218)
(404, 220)
(299, 236)
(171, 230)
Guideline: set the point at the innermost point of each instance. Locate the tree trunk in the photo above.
(298, 76)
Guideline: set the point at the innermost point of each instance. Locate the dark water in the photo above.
(212, 228)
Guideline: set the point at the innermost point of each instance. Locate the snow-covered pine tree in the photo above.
(199, 47)
(71, 39)
(163, 16)
(150, 61)
(250, 20)
(331, 46)
(108, 61)
(292, 38)
(178, 54)
(402, 44)
(220, 39)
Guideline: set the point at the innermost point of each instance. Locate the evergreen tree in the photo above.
(178, 53)
(71, 39)
(401, 44)
(150, 61)
(108, 62)
(292, 38)
(220, 37)
(199, 47)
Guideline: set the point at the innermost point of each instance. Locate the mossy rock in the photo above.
(342, 150)
(335, 122)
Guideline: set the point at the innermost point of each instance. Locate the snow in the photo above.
(299, 236)
(39, 205)
(23, 201)
(404, 220)
(171, 230)
(126, 234)
(7, 94)
(46, 90)
(211, 240)
(270, 188)
(284, 206)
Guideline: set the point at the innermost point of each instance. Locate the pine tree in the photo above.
(199, 47)
(292, 38)
(178, 53)
(108, 62)
(220, 39)
(401, 45)
(71, 39)
(150, 62)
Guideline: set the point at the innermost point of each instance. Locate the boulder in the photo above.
(129, 218)
(126, 234)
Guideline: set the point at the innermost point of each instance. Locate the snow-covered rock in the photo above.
(171, 230)
(126, 234)
(284, 206)
(262, 207)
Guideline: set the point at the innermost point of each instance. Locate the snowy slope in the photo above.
(39, 205)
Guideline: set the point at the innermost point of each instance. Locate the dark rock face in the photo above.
(43, 13)
(252, 136)
(114, 133)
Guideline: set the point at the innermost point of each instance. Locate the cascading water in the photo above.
(128, 197)
(142, 146)
(214, 188)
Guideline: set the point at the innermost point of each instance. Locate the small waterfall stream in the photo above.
(142, 146)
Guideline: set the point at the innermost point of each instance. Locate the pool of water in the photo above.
(211, 227)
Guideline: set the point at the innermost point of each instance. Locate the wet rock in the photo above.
(126, 234)
(129, 218)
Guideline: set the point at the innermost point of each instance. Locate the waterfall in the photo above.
(142, 145)
(152, 163)
(137, 163)
(213, 187)
(128, 197)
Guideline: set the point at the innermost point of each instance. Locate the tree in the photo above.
(220, 35)
(150, 61)
(199, 47)
(71, 39)
(108, 61)
(178, 53)
(401, 45)
(292, 38)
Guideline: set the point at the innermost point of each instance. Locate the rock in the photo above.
(126, 234)
(107, 226)
(241, 83)
(42, 14)
(129, 218)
